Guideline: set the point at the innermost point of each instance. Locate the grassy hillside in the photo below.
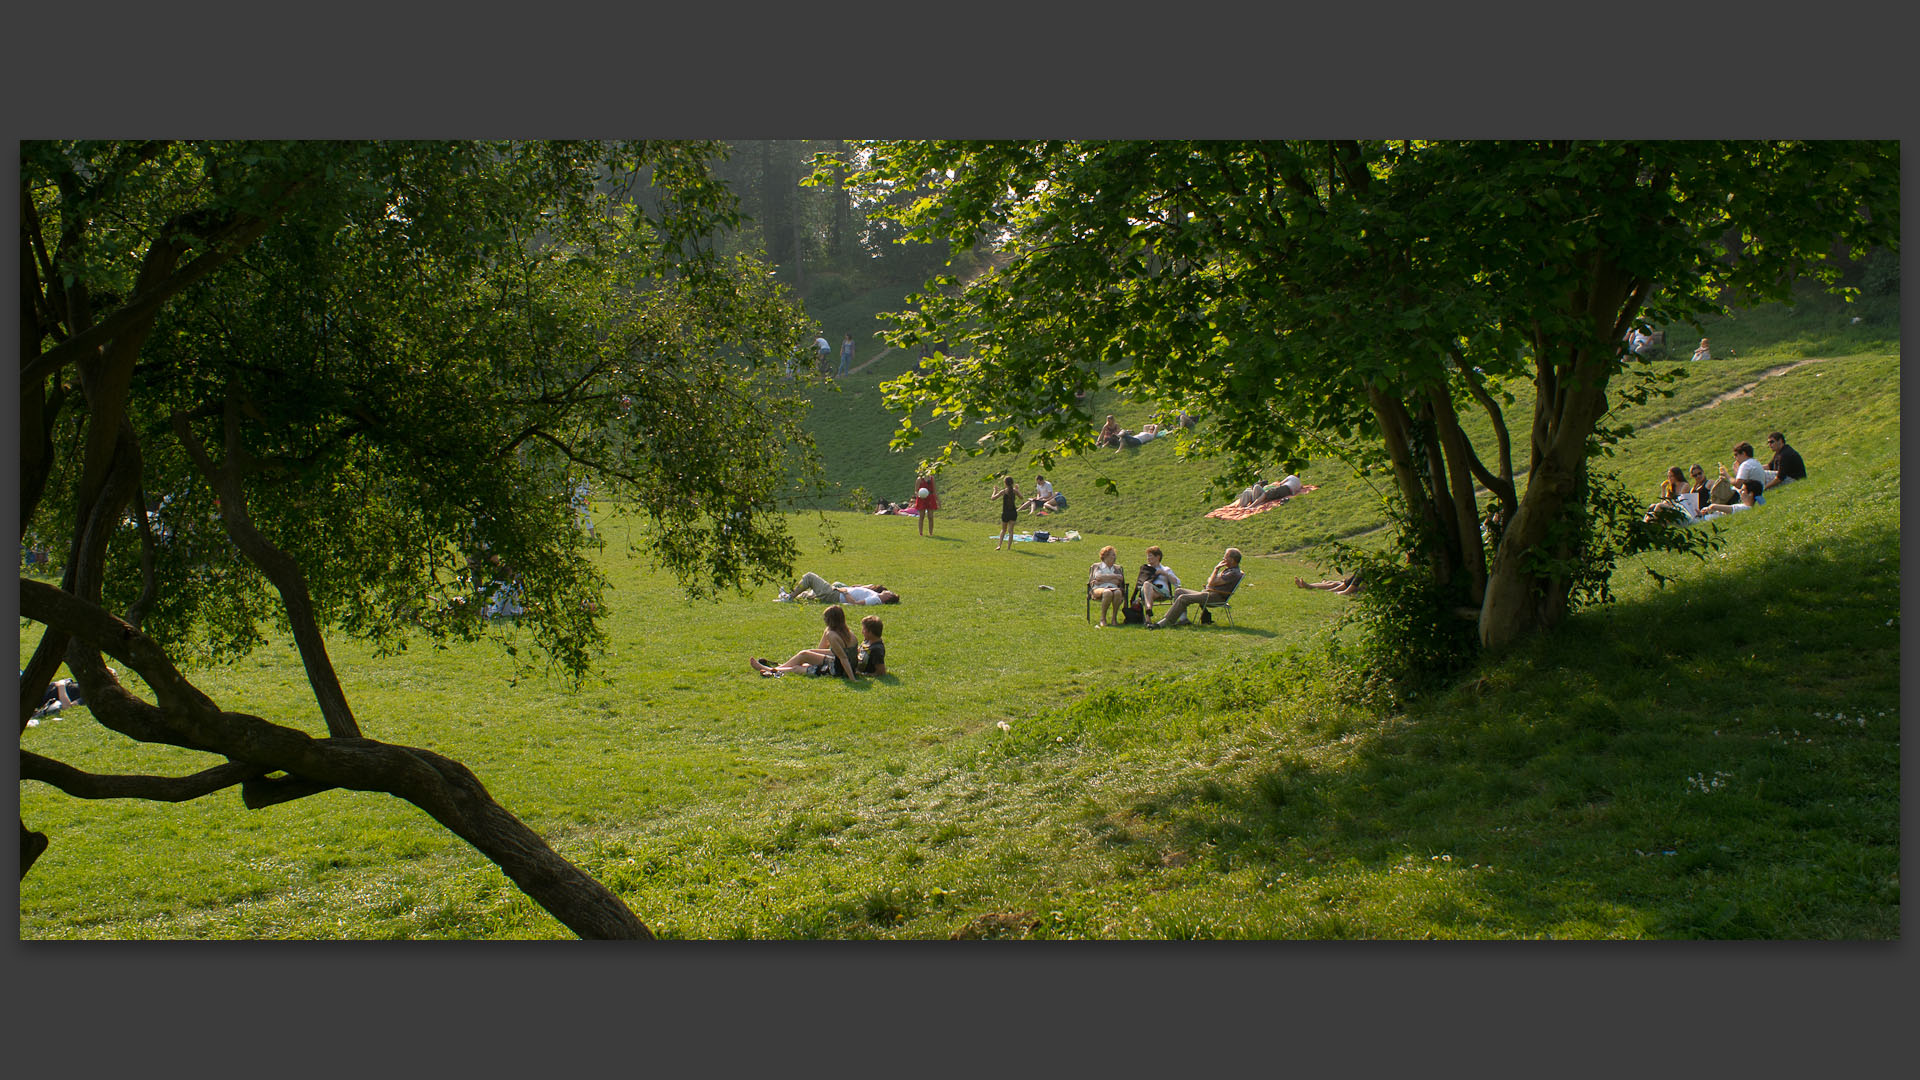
(1161, 496)
(1718, 757)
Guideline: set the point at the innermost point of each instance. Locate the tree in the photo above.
(348, 387)
(1367, 294)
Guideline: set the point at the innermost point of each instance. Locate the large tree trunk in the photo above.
(843, 238)
(1570, 398)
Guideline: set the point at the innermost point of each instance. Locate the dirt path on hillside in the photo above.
(1714, 402)
(877, 357)
(1737, 392)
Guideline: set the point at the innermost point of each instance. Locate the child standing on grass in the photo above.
(1009, 512)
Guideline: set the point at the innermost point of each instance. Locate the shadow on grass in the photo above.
(1719, 760)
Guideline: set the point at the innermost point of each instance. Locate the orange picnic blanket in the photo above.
(1235, 512)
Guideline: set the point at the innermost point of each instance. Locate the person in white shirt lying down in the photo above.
(819, 588)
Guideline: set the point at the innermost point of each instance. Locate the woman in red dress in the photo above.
(925, 500)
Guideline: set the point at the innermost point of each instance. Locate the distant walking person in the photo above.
(825, 351)
(925, 501)
(846, 356)
(1009, 497)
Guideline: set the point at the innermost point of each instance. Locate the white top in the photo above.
(1702, 353)
(1751, 469)
(1291, 483)
(1043, 490)
(858, 595)
(821, 344)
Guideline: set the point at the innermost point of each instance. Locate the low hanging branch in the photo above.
(86, 785)
(447, 790)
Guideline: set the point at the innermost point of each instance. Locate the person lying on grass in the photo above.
(1220, 585)
(1285, 488)
(832, 657)
(1346, 586)
(1749, 495)
(812, 585)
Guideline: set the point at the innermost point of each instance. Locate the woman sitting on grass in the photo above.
(1109, 584)
(832, 657)
(1674, 486)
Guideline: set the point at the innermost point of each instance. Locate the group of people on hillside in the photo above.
(1113, 435)
(1643, 342)
(825, 349)
(1044, 500)
(1156, 583)
(1690, 495)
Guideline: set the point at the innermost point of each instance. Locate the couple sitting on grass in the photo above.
(836, 654)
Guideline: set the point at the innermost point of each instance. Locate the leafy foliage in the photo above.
(1362, 294)
(363, 386)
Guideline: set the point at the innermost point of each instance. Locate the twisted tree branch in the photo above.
(86, 785)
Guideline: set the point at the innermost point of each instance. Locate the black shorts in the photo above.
(1009, 520)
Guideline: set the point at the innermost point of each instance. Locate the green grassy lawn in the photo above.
(1718, 757)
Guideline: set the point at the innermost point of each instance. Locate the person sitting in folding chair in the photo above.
(1156, 582)
(1220, 585)
(1107, 583)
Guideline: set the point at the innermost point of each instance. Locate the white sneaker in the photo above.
(783, 597)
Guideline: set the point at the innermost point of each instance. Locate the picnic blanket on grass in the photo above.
(1236, 512)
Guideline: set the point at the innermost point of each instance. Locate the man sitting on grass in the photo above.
(1786, 464)
(1042, 496)
(1220, 585)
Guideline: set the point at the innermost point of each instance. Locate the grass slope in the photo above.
(1715, 758)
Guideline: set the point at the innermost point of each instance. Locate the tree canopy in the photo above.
(1306, 296)
(353, 387)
